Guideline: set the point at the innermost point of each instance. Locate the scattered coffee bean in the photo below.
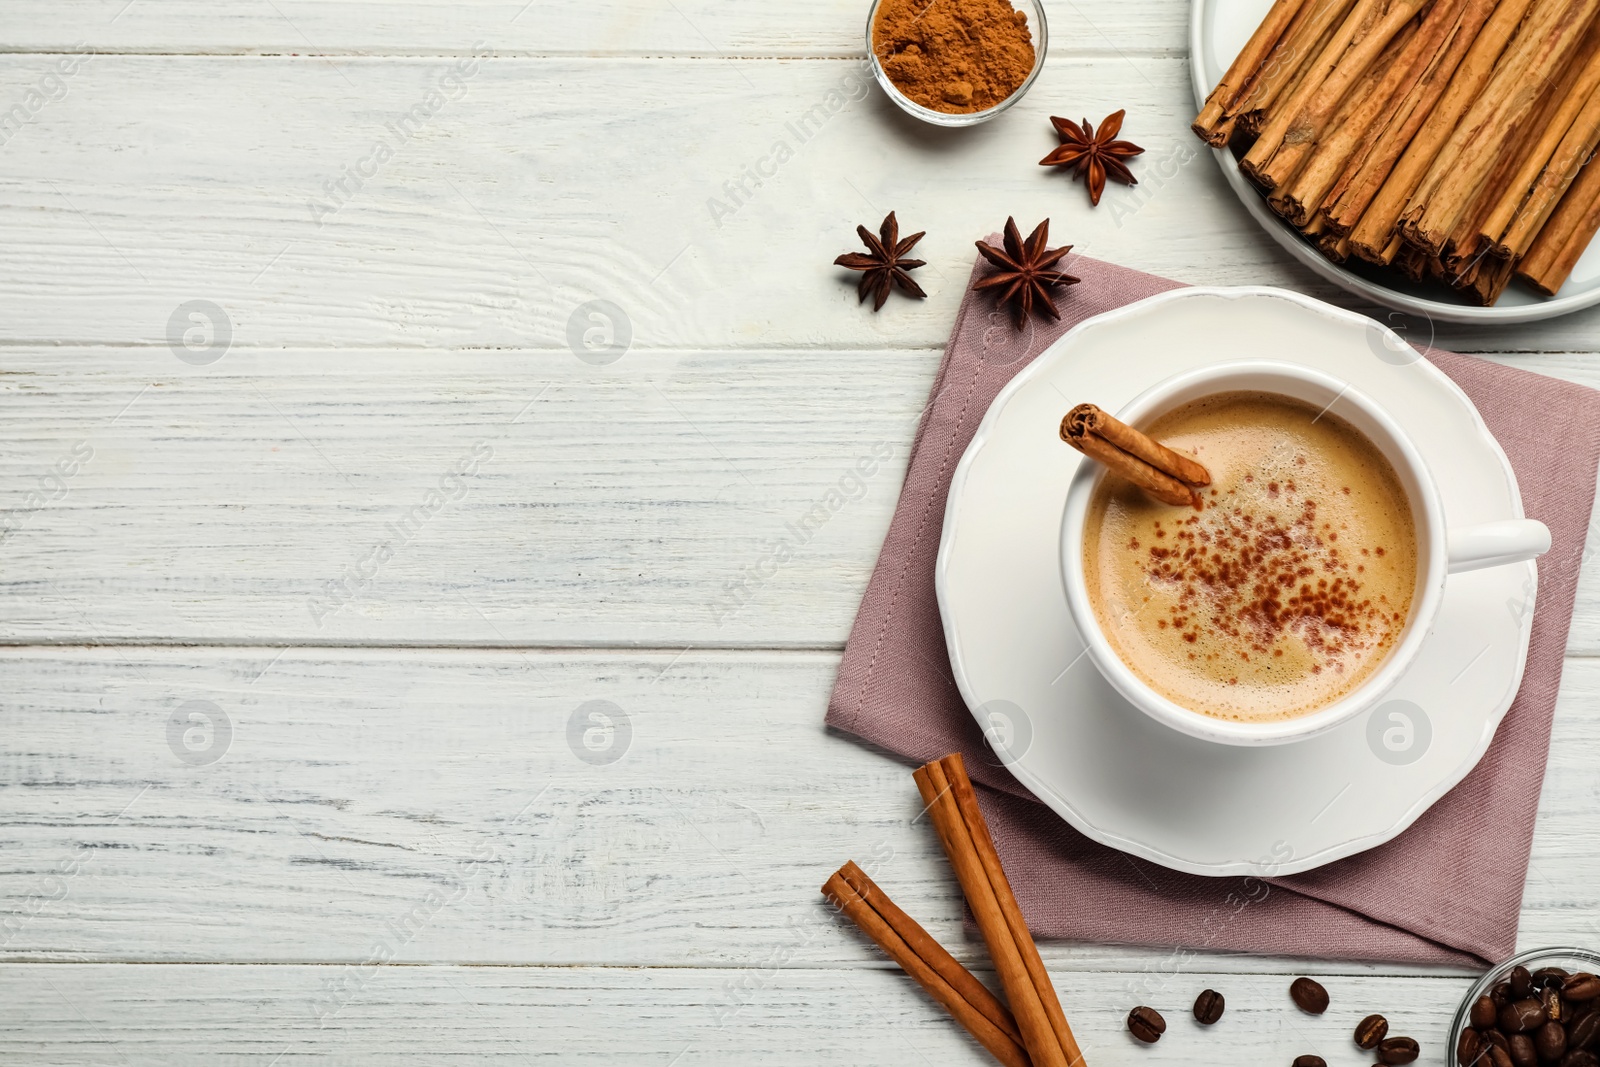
(1585, 1028)
(1581, 986)
(1551, 1041)
(1309, 995)
(1521, 982)
(1398, 1050)
(1541, 1018)
(1146, 1024)
(1521, 1015)
(1370, 1031)
(1208, 1007)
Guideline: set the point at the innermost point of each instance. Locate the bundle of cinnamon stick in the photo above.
(1449, 139)
(1033, 1032)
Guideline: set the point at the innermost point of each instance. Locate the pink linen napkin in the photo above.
(1448, 890)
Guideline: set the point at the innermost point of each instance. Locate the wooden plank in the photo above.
(528, 188)
(637, 503)
(469, 808)
(644, 502)
(517, 27)
(178, 1015)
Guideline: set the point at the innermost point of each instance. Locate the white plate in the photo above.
(1114, 773)
(1218, 30)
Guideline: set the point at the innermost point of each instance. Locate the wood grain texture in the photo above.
(543, 27)
(159, 180)
(184, 1015)
(644, 502)
(458, 807)
(636, 503)
(408, 439)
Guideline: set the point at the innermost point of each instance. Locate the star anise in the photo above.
(882, 265)
(1097, 155)
(1025, 275)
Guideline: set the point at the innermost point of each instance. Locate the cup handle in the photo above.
(1493, 544)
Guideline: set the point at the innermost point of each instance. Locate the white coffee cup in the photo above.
(1441, 551)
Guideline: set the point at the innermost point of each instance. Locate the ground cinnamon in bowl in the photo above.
(954, 56)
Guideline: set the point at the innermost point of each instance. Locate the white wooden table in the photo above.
(287, 696)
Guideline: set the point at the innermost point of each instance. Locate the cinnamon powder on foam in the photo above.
(1289, 588)
(956, 56)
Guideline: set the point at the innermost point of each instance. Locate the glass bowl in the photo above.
(1033, 10)
(1570, 959)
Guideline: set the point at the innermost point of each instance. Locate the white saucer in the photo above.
(1218, 29)
(1114, 773)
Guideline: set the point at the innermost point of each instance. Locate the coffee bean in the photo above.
(1577, 1057)
(1553, 1004)
(1309, 995)
(1397, 1050)
(1370, 1031)
(1551, 1041)
(1500, 994)
(1146, 1024)
(1522, 1051)
(1581, 986)
(1497, 1040)
(1484, 1012)
(1208, 1007)
(1521, 982)
(1521, 1015)
(1548, 976)
(1469, 1047)
(1499, 1057)
(1310, 1061)
(1585, 1028)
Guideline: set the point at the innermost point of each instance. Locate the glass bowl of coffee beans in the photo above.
(1537, 1009)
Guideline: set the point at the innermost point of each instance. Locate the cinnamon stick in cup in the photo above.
(904, 940)
(1169, 476)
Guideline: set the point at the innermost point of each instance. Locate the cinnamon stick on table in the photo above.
(925, 960)
(1169, 476)
(953, 808)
